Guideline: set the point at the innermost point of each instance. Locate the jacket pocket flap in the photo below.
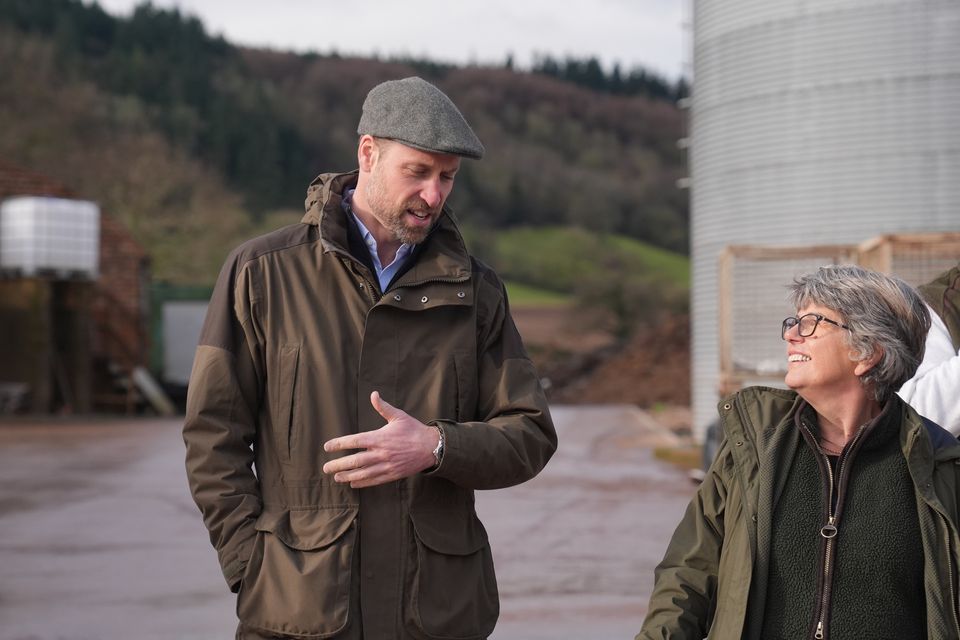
(456, 532)
(307, 529)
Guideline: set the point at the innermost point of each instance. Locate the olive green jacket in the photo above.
(296, 338)
(711, 582)
(943, 296)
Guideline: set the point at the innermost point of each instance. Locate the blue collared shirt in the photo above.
(384, 274)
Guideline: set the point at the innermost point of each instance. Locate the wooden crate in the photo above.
(752, 298)
(916, 258)
(752, 292)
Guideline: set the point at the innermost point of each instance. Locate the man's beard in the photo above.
(392, 216)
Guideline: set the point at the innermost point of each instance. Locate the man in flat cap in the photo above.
(366, 366)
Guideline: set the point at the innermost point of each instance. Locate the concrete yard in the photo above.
(99, 538)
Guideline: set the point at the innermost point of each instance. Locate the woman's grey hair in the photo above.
(882, 312)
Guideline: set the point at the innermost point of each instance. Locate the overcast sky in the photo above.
(644, 33)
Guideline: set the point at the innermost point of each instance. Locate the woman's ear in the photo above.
(864, 366)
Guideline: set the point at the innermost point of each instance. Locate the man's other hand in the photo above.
(402, 447)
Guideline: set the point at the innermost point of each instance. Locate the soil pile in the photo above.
(579, 363)
(653, 368)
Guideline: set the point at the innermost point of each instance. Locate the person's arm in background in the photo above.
(934, 391)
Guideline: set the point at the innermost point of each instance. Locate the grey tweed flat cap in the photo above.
(419, 115)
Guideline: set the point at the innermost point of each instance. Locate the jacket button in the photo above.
(461, 294)
(424, 299)
(739, 443)
(397, 297)
(726, 406)
(361, 285)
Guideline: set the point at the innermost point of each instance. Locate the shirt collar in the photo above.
(368, 239)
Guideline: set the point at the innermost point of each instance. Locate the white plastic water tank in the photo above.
(41, 235)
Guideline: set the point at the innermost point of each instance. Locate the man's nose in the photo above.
(431, 193)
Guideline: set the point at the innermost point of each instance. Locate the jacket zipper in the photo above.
(371, 288)
(448, 280)
(829, 530)
(366, 283)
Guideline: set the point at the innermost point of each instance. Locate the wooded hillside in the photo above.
(196, 144)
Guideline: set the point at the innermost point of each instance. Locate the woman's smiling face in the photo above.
(820, 363)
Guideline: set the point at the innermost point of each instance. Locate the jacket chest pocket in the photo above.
(285, 398)
(297, 583)
(465, 368)
(452, 588)
(438, 387)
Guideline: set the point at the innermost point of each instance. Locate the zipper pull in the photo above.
(819, 634)
(829, 530)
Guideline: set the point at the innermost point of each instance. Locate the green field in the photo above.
(523, 295)
(561, 259)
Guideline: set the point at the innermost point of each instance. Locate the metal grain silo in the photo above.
(815, 122)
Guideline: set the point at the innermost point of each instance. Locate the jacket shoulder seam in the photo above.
(251, 250)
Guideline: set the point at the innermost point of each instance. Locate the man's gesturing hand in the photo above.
(402, 447)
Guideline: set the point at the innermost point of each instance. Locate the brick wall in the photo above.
(121, 308)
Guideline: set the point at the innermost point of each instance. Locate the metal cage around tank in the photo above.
(753, 279)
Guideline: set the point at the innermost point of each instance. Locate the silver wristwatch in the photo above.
(438, 452)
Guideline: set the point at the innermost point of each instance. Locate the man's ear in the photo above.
(864, 366)
(367, 153)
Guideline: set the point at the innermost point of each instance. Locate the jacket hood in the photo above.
(442, 256)
(325, 193)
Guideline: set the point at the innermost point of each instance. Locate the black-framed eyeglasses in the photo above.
(806, 324)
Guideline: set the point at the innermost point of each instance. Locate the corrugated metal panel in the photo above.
(812, 122)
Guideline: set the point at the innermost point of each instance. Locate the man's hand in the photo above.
(402, 447)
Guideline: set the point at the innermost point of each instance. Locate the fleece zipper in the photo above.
(833, 510)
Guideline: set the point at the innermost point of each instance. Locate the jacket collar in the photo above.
(759, 414)
(764, 407)
(442, 257)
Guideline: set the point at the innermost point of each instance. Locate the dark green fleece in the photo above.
(877, 589)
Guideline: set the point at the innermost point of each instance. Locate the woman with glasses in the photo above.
(830, 510)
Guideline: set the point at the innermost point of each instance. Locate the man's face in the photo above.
(407, 187)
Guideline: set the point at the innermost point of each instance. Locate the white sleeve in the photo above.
(934, 391)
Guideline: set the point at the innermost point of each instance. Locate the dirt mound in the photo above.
(653, 368)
